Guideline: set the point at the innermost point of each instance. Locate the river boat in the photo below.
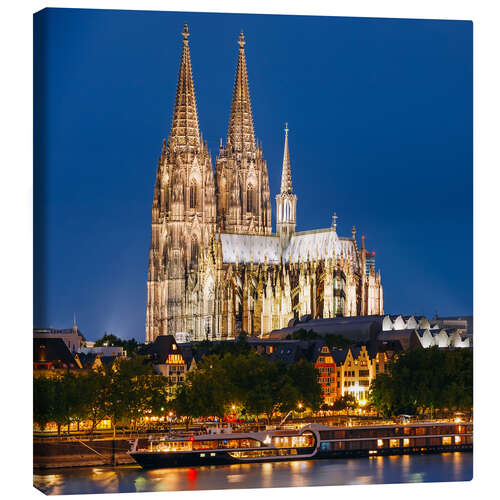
(308, 442)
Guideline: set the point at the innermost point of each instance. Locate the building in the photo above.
(51, 356)
(323, 361)
(104, 350)
(72, 337)
(356, 369)
(168, 359)
(215, 266)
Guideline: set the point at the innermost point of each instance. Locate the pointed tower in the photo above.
(184, 210)
(242, 183)
(286, 201)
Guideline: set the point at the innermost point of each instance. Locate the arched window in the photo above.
(193, 195)
(194, 251)
(250, 198)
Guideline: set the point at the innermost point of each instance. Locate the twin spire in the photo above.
(185, 131)
(241, 133)
(185, 128)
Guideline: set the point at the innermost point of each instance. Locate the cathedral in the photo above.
(216, 269)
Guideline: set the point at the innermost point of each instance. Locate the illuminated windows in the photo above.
(193, 195)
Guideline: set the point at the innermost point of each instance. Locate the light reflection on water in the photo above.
(375, 470)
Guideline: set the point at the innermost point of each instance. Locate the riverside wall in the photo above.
(49, 454)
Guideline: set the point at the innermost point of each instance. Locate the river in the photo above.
(375, 470)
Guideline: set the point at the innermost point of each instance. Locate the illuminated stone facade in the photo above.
(215, 267)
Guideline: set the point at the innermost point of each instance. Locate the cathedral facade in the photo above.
(215, 267)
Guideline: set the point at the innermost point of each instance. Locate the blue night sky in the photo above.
(380, 118)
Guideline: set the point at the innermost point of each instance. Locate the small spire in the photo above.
(286, 173)
(353, 232)
(334, 223)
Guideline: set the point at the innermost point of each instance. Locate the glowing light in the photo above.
(300, 405)
(363, 402)
(267, 440)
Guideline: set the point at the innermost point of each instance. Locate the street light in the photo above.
(170, 414)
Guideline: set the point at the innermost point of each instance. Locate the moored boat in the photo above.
(308, 442)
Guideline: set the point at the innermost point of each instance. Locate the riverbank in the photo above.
(77, 453)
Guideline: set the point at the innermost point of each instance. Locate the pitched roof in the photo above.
(161, 348)
(52, 352)
(288, 353)
(87, 360)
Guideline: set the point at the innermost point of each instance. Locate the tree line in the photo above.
(124, 392)
(131, 389)
(422, 380)
(250, 383)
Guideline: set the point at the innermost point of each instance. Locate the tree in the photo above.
(305, 379)
(93, 393)
(129, 345)
(250, 381)
(43, 400)
(346, 402)
(122, 398)
(425, 380)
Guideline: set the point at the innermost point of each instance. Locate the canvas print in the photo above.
(253, 251)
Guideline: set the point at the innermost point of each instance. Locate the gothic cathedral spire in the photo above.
(241, 132)
(183, 215)
(286, 201)
(243, 197)
(185, 131)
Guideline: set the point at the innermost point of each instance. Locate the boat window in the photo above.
(168, 446)
(204, 445)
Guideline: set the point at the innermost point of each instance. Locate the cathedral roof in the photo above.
(250, 247)
(185, 129)
(318, 244)
(245, 248)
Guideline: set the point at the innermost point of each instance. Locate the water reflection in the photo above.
(373, 470)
